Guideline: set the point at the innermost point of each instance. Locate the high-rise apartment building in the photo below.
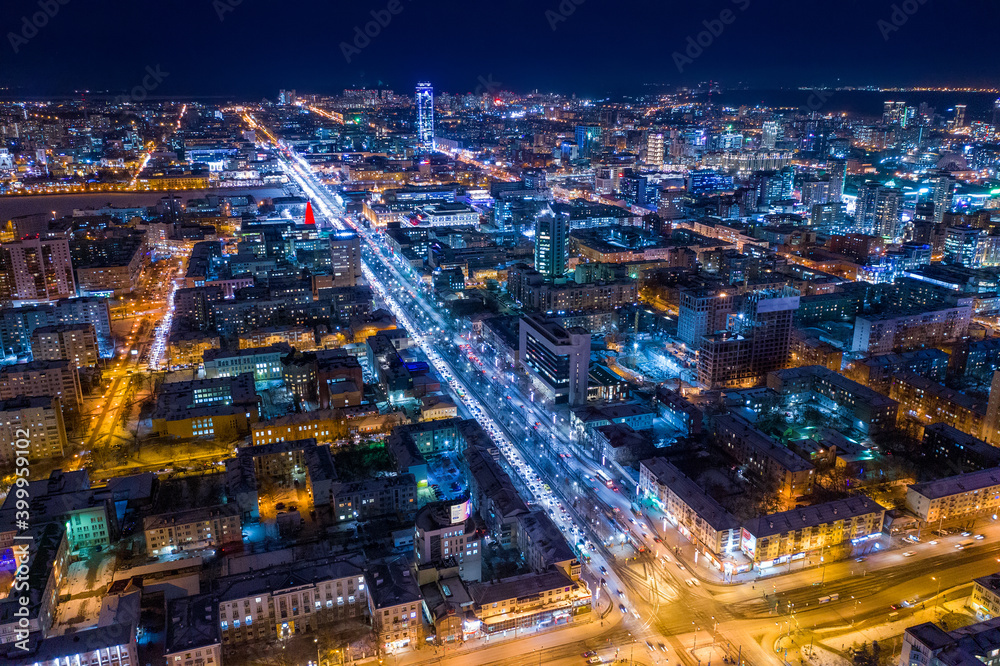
(425, 114)
(838, 174)
(36, 269)
(888, 211)
(42, 378)
(703, 312)
(756, 343)
(76, 343)
(654, 148)
(551, 243)
(345, 252)
(942, 194)
(32, 427)
(769, 135)
(960, 115)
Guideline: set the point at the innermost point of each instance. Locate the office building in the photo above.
(556, 358)
(425, 114)
(769, 134)
(551, 244)
(263, 362)
(588, 140)
(345, 253)
(959, 115)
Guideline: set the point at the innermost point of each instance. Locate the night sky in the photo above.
(601, 47)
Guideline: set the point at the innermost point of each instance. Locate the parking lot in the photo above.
(445, 478)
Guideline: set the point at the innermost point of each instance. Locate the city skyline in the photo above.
(325, 48)
(499, 354)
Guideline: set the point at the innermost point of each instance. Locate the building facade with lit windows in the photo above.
(194, 529)
(531, 600)
(263, 362)
(955, 496)
(768, 459)
(882, 334)
(42, 378)
(779, 537)
(324, 425)
(929, 402)
(556, 358)
(697, 516)
(425, 114)
(396, 604)
(446, 532)
(36, 269)
(985, 599)
(281, 602)
(76, 343)
(38, 421)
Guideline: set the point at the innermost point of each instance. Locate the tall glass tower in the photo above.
(551, 243)
(425, 114)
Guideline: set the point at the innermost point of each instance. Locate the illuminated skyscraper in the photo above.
(654, 148)
(942, 195)
(551, 243)
(838, 174)
(888, 211)
(996, 115)
(959, 115)
(770, 135)
(36, 269)
(425, 114)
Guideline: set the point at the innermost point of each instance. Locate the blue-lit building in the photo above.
(425, 114)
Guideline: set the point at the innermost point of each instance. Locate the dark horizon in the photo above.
(593, 48)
